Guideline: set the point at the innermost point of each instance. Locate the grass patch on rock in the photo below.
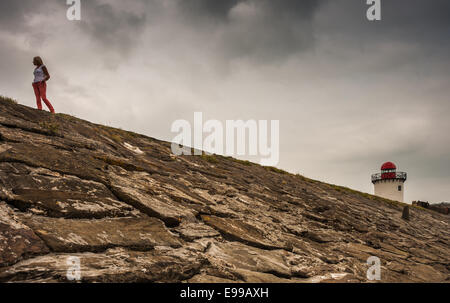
(51, 126)
(276, 170)
(209, 158)
(8, 99)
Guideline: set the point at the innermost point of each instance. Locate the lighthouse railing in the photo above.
(376, 177)
(400, 175)
(396, 175)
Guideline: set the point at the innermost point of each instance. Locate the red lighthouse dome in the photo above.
(388, 166)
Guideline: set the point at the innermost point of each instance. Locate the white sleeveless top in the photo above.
(39, 74)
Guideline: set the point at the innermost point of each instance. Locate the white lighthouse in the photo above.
(389, 183)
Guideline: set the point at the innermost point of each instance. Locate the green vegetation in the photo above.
(127, 134)
(210, 158)
(244, 162)
(215, 159)
(118, 135)
(7, 99)
(51, 126)
(67, 117)
(110, 132)
(276, 170)
(116, 138)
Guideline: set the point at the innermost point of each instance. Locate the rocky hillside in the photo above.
(132, 212)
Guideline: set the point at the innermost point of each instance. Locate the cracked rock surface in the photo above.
(131, 211)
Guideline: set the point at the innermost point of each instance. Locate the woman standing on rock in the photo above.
(41, 75)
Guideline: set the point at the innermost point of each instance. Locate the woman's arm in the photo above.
(47, 75)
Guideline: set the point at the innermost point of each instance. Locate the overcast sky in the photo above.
(350, 94)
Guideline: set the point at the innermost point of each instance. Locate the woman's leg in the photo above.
(38, 95)
(43, 93)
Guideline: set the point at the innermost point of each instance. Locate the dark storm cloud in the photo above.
(206, 8)
(14, 14)
(113, 28)
(281, 27)
(293, 9)
(260, 30)
(420, 19)
(402, 20)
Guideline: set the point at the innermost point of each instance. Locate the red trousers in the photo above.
(40, 90)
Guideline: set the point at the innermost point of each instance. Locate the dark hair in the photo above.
(39, 60)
